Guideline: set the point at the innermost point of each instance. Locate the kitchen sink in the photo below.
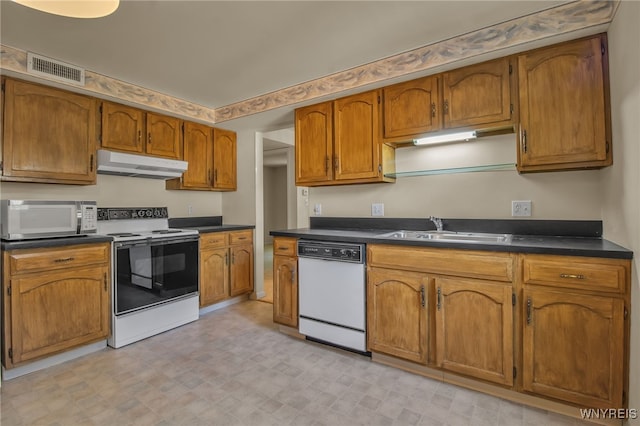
(468, 237)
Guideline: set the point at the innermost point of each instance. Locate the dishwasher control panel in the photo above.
(343, 252)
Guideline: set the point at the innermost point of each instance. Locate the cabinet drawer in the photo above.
(59, 258)
(284, 246)
(241, 237)
(214, 239)
(581, 273)
(463, 263)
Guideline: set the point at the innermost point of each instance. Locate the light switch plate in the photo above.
(317, 209)
(377, 209)
(521, 208)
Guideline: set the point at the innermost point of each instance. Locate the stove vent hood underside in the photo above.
(118, 163)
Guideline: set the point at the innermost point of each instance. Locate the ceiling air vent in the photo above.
(47, 67)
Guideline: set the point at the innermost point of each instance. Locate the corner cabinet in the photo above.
(55, 299)
(564, 107)
(575, 329)
(135, 131)
(285, 282)
(49, 135)
(226, 265)
(339, 142)
(212, 156)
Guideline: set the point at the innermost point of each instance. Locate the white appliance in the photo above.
(119, 163)
(28, 219)
(155, 273)
(332, 293)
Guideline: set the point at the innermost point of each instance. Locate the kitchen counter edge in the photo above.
(54, 242)
(567, 246)
(219, 228)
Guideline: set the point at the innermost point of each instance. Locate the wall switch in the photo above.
(521, 208)
(377, 209)
(317, 209)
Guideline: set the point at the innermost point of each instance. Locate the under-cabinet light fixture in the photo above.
(73, 8)
(444, 138)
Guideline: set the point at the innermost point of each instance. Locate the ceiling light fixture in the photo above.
(444, 138)
(73, 8)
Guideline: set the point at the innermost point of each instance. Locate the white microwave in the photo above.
(29, 219)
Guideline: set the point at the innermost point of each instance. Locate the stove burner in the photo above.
(166, 231)
(123, 234)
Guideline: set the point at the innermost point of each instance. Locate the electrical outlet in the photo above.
(521, 208)
(190, 209)
(377, 209)
(317, 209)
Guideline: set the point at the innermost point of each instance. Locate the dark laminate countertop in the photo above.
(205, 224)
(55, 242)
(220, 228)
(536, 242)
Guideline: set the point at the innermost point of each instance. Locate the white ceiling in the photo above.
(215, 53)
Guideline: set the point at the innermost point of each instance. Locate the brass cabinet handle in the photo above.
(91, 163)
(105, 281)
(446, 107)
(328, 162)
(422, 296)
(63, 260)
(528, 311)
(524, 141)
(242, 238)
(433, 109)
(439, 304)
(283, 248)
(149, 140)
(573, 276)
(139, 135)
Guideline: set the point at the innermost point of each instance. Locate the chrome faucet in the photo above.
(437, 222)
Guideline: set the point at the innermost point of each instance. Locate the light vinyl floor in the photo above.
(232, 367)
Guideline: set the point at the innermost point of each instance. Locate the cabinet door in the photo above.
(412, 108)
(164, 138)
(474, 328)
(224, 160)
(357, 137)
(122, 128)
(285, 290)
(477, 95)
(49, 135)
(241, 270)
(563, 109)
(198, 152)
(314, 144)
(573, 347)
(55, 311)
(397, 313)
(214, 275)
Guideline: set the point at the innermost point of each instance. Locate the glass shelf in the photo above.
(471, 169)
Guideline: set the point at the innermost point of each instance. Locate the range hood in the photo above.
(118, 163)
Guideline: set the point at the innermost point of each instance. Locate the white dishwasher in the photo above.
(332, 293)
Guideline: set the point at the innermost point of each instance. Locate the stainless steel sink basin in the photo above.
(468, 237)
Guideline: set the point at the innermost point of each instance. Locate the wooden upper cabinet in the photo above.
(573, 347)
(474, 328)
(357, 136)
(122, 128)
(478, 95)
(412, 108)
(224, 160)
(164, 138)
(133, 130)
(198, 152)
(564, 106)
(49, 135)
(314, 144)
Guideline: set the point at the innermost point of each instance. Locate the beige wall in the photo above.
(122, 191)
(561, 195)
(621, 207)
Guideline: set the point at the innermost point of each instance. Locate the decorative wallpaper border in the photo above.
(556, 21)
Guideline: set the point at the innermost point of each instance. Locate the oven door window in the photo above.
(150, 274)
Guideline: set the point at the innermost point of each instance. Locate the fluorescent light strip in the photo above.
(444, 138)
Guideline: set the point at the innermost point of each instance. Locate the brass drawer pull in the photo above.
(283, 248)
(66, 259)
(573, 276)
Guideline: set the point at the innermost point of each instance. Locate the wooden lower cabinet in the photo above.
(573, 347)
(226, 265)
(397, 313)
(474, 328)
(48, 310)
(285, 290)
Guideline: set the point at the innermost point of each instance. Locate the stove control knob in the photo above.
(345, 253)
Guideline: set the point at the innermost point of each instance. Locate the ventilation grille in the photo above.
(41, 65)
